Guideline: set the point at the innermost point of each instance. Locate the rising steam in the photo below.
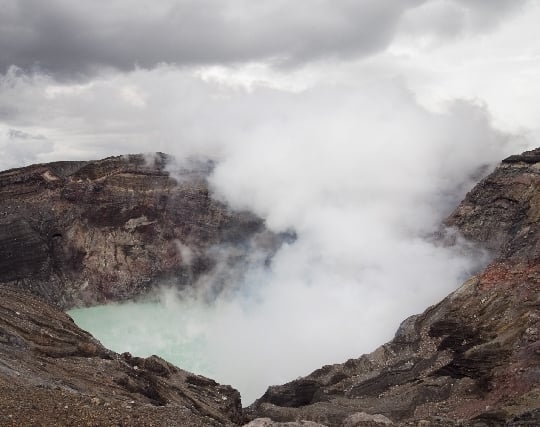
(364, 176)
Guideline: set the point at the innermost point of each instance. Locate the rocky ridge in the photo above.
(83, 233)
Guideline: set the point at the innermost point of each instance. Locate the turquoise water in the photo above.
(146, 328)
(217, 340)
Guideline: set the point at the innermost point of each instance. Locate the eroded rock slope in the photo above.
(472, 359)
(80, 233)
(54, 374)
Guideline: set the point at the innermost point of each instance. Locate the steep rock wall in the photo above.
(80, 233)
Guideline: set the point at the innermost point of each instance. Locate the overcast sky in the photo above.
(358, 123)
(86, 79)
(73, 38)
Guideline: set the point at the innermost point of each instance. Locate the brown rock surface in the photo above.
(80, 233)
(54, 374)
(474, 358)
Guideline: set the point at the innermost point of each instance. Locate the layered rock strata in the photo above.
(65, 228)
(81, 233)
(52, 373)
(474, 358)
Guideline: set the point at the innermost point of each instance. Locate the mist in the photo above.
(364, 176)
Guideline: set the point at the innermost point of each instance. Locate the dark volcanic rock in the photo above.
(503, 211)
(53, 373)
(80, 233)
(471, 360)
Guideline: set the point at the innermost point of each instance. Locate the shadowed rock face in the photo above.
(75, 233)
(81, 233)
(474, 358)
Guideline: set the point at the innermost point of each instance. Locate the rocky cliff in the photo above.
(79, 233)
(472, 359)
(83, 232)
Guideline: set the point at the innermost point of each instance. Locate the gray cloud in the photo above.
(450, 18)
(484, 14)
(74, 38)
(15, 134)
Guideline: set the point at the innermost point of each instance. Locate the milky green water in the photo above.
(147, 328)
(210, 339)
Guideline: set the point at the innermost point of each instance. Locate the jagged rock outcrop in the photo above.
(474, 358)
(503, 211)
(53, 373)
(80, 233)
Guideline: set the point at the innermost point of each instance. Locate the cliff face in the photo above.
(503, 211)
(79, 233)
(53, 373)
(472, 359)
(84, 232)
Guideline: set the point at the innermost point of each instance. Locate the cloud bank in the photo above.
(72, 39)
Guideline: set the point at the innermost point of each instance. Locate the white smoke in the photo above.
(364, 177)
(362, 173)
